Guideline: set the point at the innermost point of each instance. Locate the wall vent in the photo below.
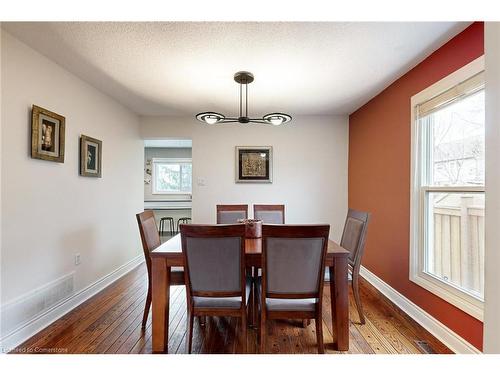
(21, 310)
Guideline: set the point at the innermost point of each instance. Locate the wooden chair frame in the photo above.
(232, 207)
(177, 277)
(269, 207)
(355, 263)
(293, 231)
(266, 207)
(215, 231)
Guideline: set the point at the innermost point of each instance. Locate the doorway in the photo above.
(168, 183)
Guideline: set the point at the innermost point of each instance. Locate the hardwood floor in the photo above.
(110, 322)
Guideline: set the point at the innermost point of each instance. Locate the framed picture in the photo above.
(47, 135)
(90, 157)
(254, 164)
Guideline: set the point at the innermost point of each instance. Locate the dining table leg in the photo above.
(160, 304)
(339, 295)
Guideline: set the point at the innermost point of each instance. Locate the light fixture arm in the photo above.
(244, 78)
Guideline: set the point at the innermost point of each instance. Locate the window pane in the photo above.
(455, 241)
(457, 143)
(168, 177)
(186, 177)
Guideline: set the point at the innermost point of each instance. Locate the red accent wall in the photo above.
(379, 176)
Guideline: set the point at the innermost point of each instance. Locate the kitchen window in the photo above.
(172, 176)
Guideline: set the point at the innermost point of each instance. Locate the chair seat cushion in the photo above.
(287, 304)
(222, 302)
(279, 304)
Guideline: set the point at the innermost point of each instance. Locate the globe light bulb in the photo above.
(211, 120)
(276, 120)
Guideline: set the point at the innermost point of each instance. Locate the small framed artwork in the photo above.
(90, 157)
(254, 164)
(47, 135)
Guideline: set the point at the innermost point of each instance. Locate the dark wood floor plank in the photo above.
(178, 324)
(73, 330)
(128, 338)
(411, 329)
(111, 322)
(42, 338)
(111, 334)
(177, 305)
(363, 335)
(115, 315)
(384, 328)
(199, 334)
(138, 337)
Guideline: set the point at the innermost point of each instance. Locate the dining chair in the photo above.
(353, 240)
(291, 286)
(215, 277)
(231, 213)
(150, 241)
(269, 213)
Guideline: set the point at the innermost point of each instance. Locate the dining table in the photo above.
(169, 254)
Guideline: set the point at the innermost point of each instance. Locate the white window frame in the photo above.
(460, 298)
(154, 190)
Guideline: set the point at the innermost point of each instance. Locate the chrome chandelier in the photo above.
(243, 78)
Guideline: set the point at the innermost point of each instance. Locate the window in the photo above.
(172, 176)
(447, 205)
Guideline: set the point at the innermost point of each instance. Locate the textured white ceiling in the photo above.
(179, 68)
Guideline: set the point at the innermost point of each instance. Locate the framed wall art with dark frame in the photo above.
(254, 164)
(90, 157)
(47, 135)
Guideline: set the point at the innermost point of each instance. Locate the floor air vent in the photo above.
(425, 347)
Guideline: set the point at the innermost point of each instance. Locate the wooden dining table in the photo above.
(169, 255)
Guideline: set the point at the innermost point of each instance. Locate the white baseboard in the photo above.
(41, 321)
(453, 341)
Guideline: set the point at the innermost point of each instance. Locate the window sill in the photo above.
(458, 298)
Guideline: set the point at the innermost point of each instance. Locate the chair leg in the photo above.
(319, 334)
(190, 332)
(256, 296)
(262, 333)
(250, 308)
(357, 299)
(251, 299)
(244, 337)
(147, 307)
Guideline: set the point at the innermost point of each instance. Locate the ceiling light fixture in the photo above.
(243, 78)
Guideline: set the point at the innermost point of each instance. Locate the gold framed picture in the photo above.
(47, 135)
(254, 164)
(90, 157)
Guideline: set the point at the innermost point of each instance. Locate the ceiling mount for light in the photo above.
(243, 78)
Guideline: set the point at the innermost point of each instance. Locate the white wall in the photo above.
(310, 166)
(49, 212)
(492, 213)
